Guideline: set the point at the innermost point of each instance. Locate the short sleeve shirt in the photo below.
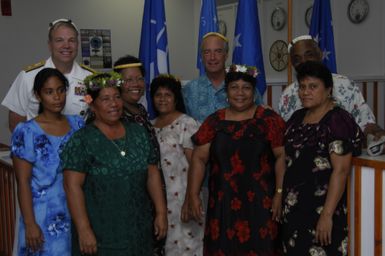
(21, 99)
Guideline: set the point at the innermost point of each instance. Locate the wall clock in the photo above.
(358, 10)
(278, 55)
(308, 14)
(278, 18)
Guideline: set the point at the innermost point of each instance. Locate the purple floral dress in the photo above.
(308, 148)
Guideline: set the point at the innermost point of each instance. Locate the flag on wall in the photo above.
(321, 28)
(247, 40)
(153, 50)
(208, 23)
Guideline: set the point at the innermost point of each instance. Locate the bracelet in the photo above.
(279, 190)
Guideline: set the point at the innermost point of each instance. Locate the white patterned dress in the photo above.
(182, 238)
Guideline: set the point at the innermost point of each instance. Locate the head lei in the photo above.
(249, 70)
(300, 38)
(216, 34)
(128, 65)
(99, 81)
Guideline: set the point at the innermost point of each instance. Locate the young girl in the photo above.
(44, 224)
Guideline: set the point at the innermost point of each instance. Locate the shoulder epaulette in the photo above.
(88, 68)
(34, 66)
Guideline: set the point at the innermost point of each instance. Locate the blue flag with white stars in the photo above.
(321, 29)
(153, 50)
(208, 23)
(247, 40)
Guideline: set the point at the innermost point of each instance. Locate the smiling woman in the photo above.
(109, 171)
(133, 94)
(174, 129)
(245, 179)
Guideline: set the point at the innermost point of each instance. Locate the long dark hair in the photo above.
(42, 77)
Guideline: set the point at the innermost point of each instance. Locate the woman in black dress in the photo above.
(320, 141)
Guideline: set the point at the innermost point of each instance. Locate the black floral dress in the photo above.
(241, 183)
(308, 148)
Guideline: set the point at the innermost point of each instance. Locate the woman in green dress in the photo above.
(110, 178)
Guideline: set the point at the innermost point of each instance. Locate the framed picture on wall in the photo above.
(96, 48)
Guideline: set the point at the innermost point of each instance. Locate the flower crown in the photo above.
(103, 80)
(249, 70)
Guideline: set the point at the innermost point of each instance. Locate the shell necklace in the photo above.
(122, 152)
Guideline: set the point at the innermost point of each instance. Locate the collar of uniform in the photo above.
(76, 71)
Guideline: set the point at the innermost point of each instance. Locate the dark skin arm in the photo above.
(14, 119)
(33, 235)
(375, 130)
(196, 175)
(341, 167)
(73, 186)
(280, 168)
(154, 187)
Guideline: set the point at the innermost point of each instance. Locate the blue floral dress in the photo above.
(32, 144)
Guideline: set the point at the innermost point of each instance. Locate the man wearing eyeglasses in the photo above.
(63, 44)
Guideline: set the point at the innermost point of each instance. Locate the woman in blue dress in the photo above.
(44, 225)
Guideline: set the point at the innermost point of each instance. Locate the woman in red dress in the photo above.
(244, 145)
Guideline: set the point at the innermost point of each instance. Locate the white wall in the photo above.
(24, 34)
(360, 48)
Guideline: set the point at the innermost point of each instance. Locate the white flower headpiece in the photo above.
(300, 38)
(249, 70)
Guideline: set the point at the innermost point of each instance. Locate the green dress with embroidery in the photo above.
(116, 197)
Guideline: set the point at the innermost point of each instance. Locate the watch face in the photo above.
(278, 55)
(278, 18)
(308, 14)
(358, 10)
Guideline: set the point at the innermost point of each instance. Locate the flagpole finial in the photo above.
(299, 38)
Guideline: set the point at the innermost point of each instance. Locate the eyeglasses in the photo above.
(133, 81)
(53, 23)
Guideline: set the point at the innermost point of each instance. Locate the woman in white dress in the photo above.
(174, 129)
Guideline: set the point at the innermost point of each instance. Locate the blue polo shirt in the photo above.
(201, 98)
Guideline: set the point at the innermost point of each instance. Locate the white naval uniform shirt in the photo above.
(21, 99)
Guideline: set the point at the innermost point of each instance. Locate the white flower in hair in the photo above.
(250, 70)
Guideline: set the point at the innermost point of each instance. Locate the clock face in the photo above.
(278, 18)
(358, 10)
(308, 14)
(278, 55)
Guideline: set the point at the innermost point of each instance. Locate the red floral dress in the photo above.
(241, 183)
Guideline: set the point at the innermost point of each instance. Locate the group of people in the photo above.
(215, 173)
